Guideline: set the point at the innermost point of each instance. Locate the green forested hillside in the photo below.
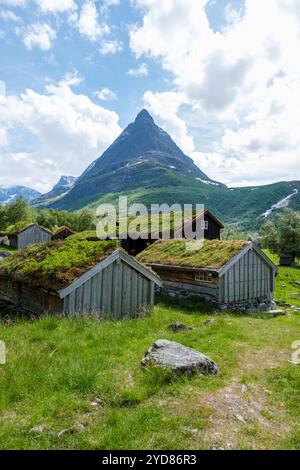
(239, 206)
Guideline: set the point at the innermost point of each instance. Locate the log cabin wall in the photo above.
(28, 298)
(185, 282)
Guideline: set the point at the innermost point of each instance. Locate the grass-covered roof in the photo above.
(55, 265)
(214, 254)
(20, 227)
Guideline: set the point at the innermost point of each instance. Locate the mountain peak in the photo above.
(144, 116)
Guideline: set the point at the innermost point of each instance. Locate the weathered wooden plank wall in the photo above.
(249, 279)
(32, 235)
(118, 291)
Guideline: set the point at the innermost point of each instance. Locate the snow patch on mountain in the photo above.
(279, 205)
(9, 194)
(211, 183)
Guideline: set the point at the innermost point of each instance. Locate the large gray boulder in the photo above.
(185, 360)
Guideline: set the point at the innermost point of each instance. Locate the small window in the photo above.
(204, 224)
(203, 277)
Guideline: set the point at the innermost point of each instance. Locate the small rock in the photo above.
(263, 307)
(80, 427)
(277, 312)
(63, 432)
(297, 283)
(240, 418)
(190, 430)
(72, 430)
(244, 388)
(38, 429)
(208, 322)
(178, 357)
(179, 327)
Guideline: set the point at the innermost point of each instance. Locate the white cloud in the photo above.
(37, 34)
(243, 80)
(13, 3)
(3, 138)
(72, 79)
(56, 6)
(110, 3)
(105, 94)
(8, 15)
(166, 106)
(110, 47)
(88, 22)
(2, 89)
(140, 71)
(68, 129)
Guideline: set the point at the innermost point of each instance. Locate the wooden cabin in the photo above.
(62, 233)
(110, 284)
(208, 222)
(235, 275)
(210, 225)
(287, 259)
(28, 235)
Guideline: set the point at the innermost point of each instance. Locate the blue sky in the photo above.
(221, 76)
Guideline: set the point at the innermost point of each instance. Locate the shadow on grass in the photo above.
(195, 305)
(191, 305)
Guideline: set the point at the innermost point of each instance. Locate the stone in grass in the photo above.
(38, 429)
(277, 312)
(179, 358)
(77, 428)
(179, 327)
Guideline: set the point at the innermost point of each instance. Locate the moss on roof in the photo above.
(55, 265)
(63, 228)
(20, 227)
(214, 254)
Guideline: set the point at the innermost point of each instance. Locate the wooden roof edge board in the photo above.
(207, 212)
(194, 219)
(29, 226)
(182, 268)
(61, 229)
(140, 267)
(236, 258)
(89, 274)
(118, 254)
(250, 246)
(265, 257)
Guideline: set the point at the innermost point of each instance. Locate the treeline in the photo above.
(19, 214)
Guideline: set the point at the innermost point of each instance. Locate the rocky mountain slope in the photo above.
(62, 187)
(9, 194)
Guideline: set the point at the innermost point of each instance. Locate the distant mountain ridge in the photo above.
(63, 186)
(9, 194)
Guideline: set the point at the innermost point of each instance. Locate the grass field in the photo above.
(83, 377)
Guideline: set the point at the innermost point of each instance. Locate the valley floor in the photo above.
(77, 383)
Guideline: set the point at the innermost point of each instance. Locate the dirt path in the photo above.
(242, 412)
